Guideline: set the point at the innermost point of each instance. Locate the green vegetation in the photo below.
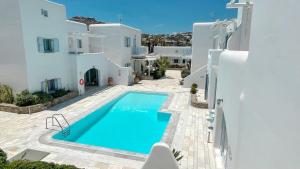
(6, 94)
(24, 164)
(185, 72)
(25, 98)
(41, 97)
(177, 154)
(161, 66)
(3, 158)
(194, 85)
(60, 93)
(194, 88)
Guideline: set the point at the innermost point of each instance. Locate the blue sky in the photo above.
(151, 16)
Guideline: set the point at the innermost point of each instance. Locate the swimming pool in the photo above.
(131, 122)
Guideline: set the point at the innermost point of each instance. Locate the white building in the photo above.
(202, 41)
(177, 55)
(254, 91)
(41, 50)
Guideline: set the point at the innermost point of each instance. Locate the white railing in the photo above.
(142, 50)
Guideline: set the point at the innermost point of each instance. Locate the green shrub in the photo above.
(59, 93)
(157, 74)
(25, 99)
(3, 158)
(23, 164)
(185, 72)
(41, 97)
(193, 90)
(194, 85)
(6, 94)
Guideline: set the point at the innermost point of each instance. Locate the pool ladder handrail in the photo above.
(65, 130)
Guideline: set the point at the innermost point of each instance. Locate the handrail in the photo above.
(65, 130)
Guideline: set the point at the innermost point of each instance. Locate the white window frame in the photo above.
(47, 45)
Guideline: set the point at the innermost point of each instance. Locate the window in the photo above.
(176, 61)
(47, 45)
(79, 43)
(127, 42)
(44, 12)
(51, 85)
(183, 61)
(127, 64)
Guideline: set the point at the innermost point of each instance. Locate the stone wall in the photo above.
(36, 108)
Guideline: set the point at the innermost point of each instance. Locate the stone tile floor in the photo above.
(18, 132)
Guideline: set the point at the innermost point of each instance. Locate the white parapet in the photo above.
(161, 157)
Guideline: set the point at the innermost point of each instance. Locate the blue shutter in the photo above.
(40, 44)
(56, 45)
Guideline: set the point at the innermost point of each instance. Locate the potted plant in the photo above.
(110, 81)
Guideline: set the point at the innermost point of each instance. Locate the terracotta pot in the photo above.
(110, 81)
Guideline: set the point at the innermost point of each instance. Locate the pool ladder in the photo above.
(65, 130)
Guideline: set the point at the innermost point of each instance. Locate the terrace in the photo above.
(20, 132)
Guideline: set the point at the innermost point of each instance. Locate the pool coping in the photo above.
(167, 137)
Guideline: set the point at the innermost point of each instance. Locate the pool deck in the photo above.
(19, 132)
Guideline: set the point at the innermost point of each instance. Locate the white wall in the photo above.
(12, 57)
(202, 41)
(230, 84)
(260, 91)
(173, 51)
(272, 89)
(114, 46)
(239, 39)
(212, 70)
(43, 66)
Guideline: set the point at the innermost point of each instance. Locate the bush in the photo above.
(6, 94)
(193, 90)
(59, 93)
(194, 85)
(185, 72)
(40, 97)
(24, 164)
(25, 99)
(3, 158)
(157, 74)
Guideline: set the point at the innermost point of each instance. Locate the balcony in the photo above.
(140, 52)
(80, 43)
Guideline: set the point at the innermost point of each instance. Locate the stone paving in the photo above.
(18, 132)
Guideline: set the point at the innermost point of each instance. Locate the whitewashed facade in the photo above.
(42, 50)
(177, 55)
(253, 89)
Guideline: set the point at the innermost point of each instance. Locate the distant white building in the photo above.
(177, 55)
(41, 50)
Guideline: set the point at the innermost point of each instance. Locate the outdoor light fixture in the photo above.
(219, 101)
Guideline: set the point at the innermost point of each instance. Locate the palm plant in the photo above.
(177, 154)
(163, 63)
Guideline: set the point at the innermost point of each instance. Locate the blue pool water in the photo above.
(131, 122)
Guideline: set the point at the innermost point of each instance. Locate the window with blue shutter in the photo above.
(47, 45)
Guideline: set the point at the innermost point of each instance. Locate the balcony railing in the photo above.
(140, 51)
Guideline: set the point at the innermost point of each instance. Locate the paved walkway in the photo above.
(18, 132)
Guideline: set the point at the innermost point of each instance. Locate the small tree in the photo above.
(6, 94)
